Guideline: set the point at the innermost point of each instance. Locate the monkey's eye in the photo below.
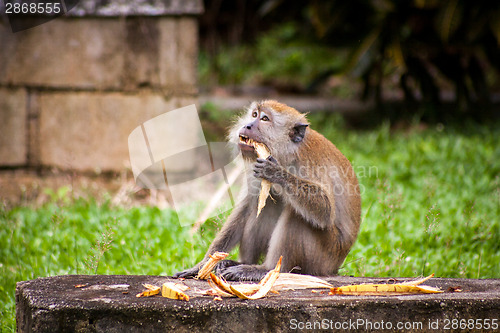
(265, 118)
(254, 114)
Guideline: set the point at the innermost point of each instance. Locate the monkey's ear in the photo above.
(298, 132)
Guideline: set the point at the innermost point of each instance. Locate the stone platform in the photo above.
(102, 303)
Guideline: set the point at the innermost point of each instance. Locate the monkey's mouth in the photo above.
(247, 144)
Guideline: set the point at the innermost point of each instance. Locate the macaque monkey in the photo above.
(313, 215)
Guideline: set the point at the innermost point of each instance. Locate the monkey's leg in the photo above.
(305, 249)
(226, 239)
(255, 243)
(291, 238)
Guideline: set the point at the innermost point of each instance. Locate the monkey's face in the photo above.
(275, 125)
(256, 128)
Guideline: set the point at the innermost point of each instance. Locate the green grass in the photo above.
(431, 200)
(85, 237)
(431, 203)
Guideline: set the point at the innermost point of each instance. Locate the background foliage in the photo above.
(428, 51)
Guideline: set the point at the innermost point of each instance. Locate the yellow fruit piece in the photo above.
(150, 291)
(204, 272)
(174, 291)
(246, 291)
(220, 285)
(269, 279)
(409, 287)
(265, 185)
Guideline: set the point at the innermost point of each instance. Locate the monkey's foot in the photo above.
(219, 269)
(188, 273)
(244, 273)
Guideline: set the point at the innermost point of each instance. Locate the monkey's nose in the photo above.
(249, 126)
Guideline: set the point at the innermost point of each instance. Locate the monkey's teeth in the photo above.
(244, 139)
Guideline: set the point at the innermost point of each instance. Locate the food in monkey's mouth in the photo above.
(246, 143)
(262, 152)
(245, 139)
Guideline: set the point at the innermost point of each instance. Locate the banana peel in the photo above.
(403, 288)
(247, 291)
(204, 272)
(265, 287)
(151, 290)
(168, 289)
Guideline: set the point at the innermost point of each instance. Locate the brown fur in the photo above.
(315, 218)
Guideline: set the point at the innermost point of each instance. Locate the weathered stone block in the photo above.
(13, 127)
(105, 8)
(141, 52)
(104, 54)
(89, 131)
(64, 53)
(178, 55)
(188, 56)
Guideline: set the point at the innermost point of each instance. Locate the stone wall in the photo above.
(72, 89)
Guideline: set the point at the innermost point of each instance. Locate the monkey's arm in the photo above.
(310, 199)
(232, 231)
(225, 241)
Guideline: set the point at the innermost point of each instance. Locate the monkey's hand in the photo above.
(309, 198)
(270, 170)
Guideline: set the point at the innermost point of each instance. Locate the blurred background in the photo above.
(434, 60)
(407, 90)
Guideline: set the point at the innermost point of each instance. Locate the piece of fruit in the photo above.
(409, 287)
(204, 272)
(265, 185)
(174, 291)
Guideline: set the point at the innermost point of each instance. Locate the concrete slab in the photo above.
(108, 304)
